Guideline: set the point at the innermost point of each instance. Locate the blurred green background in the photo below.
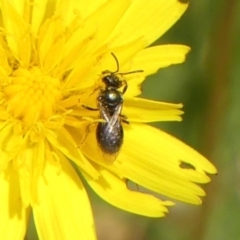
(208, 84)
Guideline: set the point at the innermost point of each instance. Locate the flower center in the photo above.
(32, 95)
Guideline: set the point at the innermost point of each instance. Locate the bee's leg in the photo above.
(85, 136)
(87, 132)
(124, 118)
(125, 86)
(90, 108)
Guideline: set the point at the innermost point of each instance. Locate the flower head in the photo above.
(53, 54)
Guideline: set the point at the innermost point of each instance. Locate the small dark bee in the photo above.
(110, 133)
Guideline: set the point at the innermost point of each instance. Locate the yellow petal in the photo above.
(142, 110)
(107, 62)
(18, 32)
(153, 58)
(114, 190)
(114, 8)
(24, 175)
(18, 5)
(51, 40)
(124, 54)
(173, 148)
(10, 143)
(150, 60)
(147, 18)
(155, 159)
(76, 49)
(5, 69)
(30, 164)
(68, 9)
(66, 144)
(86, 8)
(14, 216)
(38, 12)
(64, 211)
(93, 24)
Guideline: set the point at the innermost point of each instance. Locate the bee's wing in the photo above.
(112, 122)
(114, 119)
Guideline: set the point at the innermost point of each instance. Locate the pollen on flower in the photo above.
(32, 95)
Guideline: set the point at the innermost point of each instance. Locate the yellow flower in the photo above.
(52, 55)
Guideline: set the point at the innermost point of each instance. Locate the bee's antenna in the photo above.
(116, 62)
(136, 71)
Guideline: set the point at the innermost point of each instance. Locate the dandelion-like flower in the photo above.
(52, 55)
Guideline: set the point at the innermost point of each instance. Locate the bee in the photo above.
(110, 134)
